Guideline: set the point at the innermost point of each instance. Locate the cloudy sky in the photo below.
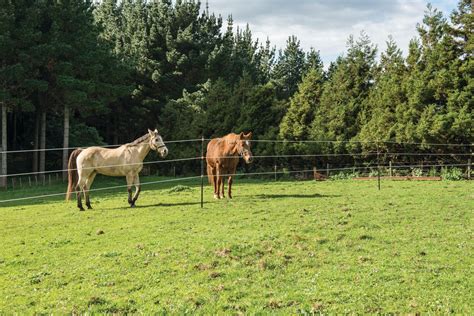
(326, 24)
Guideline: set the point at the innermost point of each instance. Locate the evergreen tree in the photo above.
(289, 68)
(383, 100)
(342, 102)
(265, 60)
(303, 106)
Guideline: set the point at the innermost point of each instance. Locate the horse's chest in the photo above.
(228, 162)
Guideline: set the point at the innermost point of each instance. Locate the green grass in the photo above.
(278, 247)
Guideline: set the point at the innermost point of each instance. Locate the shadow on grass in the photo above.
(138, 206)
(296, 196)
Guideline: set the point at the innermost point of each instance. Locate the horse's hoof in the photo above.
(216, 196)
(132, 205)
(81, 209)
(89, 207)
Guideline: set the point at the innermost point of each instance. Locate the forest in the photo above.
(79, 73)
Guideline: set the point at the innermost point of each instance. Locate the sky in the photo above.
(326, 25)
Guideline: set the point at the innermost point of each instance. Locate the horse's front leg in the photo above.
(137, 190)
(229, 193)
(222, 184)
(130, 177)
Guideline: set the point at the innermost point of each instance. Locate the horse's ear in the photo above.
(248, 135)
(156, 131)
(241, 135)
(149, 131)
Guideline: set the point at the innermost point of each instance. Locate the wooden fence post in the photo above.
(378, 166)
(469, 169)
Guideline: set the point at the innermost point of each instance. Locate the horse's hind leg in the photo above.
(79, 187)
(137, 189)
(87, 187)
(216, 182)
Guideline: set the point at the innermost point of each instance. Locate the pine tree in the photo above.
(383, 100)
(303, 106)
(289, 68)
(342, 102)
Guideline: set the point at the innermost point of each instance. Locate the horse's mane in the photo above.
(139, 140)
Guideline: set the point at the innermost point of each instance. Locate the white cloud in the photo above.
(326, 25)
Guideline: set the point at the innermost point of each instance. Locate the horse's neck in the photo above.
(143, 149)
(230, 148)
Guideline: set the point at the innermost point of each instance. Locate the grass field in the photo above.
(278, 247)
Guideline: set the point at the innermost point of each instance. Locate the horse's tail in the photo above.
(210, 176)
(73, 175)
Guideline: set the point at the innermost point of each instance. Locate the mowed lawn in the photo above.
(277, 247)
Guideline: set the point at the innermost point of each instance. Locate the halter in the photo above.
(242, 151)
(154, 147)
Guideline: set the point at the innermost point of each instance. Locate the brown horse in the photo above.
(126, 160)
(222, 158)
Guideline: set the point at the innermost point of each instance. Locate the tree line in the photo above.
(77, 73)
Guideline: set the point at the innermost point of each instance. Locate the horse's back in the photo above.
(112, 162)
(213, 151)
(218, 153)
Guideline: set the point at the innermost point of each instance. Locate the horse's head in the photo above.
(243, 147)
(157, 144)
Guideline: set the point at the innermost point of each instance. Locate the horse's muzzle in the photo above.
(163, 152)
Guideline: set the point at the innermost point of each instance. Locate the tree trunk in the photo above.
(3, 180)
(42, 154)
(36, 142)
(13, 144)
(65, 141)
(115, 136)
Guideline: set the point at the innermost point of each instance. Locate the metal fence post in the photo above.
(202, 171)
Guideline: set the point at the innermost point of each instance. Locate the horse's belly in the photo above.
(113, 172)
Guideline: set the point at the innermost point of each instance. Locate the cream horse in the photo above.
(126, 160)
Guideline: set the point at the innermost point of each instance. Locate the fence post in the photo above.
(275, 172)
(29, 181)
(202, 171)
(469, 169)
(390, 168)
(327, 170)
(314, 173)
(378, 166)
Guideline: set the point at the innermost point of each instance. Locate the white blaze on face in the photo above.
(247, 143)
